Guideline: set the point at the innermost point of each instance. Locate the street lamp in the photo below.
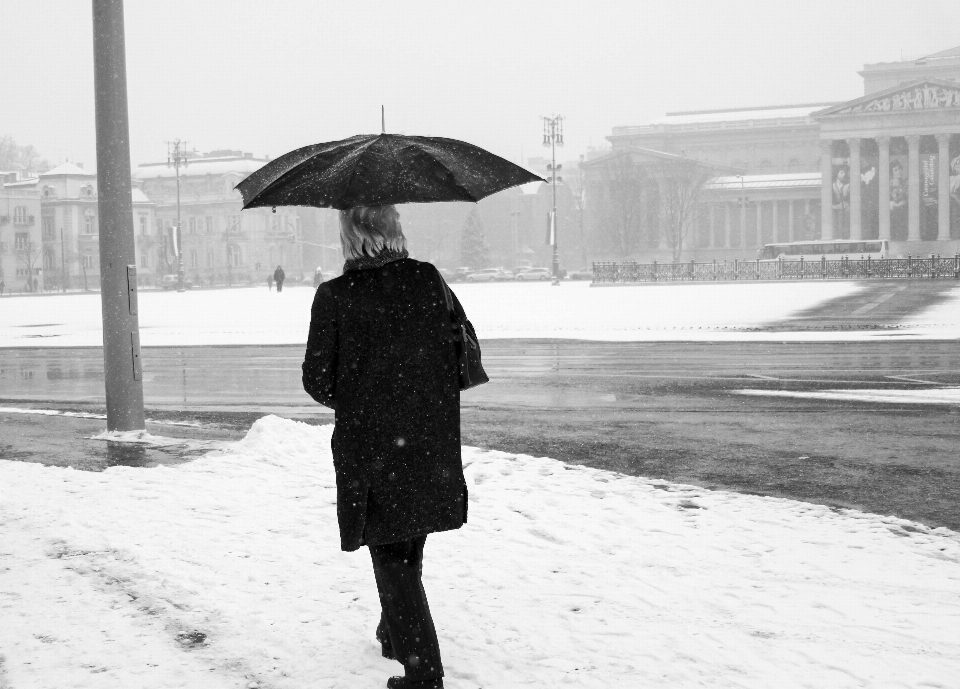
(177, 156)
(553, 137)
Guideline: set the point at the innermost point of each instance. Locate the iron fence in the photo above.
(804, 269)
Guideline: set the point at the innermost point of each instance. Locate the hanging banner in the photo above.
(173, 241)
(841, 198)
(869, 197)
(898, 197)
(928, 179)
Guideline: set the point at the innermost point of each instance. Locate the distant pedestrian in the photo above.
(279, 276)
(35, 284)
(379, 353)
(270, 281)
(2, 287)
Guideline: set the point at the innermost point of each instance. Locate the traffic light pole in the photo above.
(118, 270)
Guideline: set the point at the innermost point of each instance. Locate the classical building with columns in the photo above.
(786, 173)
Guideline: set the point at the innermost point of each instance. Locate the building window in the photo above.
(193, 259)
(765, 166)
(209, 258)
(20, 215)
(49, 230)
(21, 241)
(89, 218)
(49, 259)
(87, 261)
(209, 222)
(235, 258)
(143, 223)
(193, 225)
(144, 262)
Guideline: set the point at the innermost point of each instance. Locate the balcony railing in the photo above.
(804, 269)
(23, 220)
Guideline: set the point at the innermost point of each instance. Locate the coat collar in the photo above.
(367, 262)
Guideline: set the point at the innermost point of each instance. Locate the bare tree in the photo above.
(621, 211)
(680, 182)
(16, 157)
(29, 253)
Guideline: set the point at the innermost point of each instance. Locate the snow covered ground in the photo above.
(226, 572)
(503, 310)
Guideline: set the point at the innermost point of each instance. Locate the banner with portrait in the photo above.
(840, 187)
(869, 197)
(899, 197)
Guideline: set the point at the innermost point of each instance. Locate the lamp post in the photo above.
(553, 137)
(177, 156)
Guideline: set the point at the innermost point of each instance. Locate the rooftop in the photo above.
(791, 179)
(68, 169)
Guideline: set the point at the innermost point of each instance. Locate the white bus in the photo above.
(792, 251)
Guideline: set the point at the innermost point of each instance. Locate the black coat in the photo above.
(279, 275)
(380, 354)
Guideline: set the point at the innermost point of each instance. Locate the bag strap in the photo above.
(446, 294)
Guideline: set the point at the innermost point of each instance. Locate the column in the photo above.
(806, 214)
(826, 190)
(712, 242)
(913, 198)
(883, 143)
(943, 188)
(759, 223)
(791, 231)
(726, 226)
(743, 224)
(855, 231)
(775, 224)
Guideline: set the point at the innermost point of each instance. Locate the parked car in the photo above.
(533, 274)
(485, 275)
(460, 274)
(582, 274)
(172, 281)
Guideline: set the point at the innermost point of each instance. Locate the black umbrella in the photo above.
(381, 169)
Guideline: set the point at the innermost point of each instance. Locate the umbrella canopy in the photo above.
(381, 169)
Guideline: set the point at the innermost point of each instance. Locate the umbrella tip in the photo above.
(383, 120)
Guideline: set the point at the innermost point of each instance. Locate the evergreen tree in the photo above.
(474, 251)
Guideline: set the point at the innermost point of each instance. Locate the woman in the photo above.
(380, 353)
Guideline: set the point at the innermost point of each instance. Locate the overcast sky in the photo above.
(268, 77)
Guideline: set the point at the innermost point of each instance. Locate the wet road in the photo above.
(541, 374)
(664, 410)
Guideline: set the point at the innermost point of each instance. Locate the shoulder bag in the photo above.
(465, 346)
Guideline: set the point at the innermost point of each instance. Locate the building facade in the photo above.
(20, 245)
(784, 172)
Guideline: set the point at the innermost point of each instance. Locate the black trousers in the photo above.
(405, 612)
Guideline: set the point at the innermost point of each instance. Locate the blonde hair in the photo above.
(369, 230)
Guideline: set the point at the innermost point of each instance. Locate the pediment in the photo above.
(923, 94)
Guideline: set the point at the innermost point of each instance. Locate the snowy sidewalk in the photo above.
(226, 572)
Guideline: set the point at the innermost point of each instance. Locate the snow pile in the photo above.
(226, 572)
(574, 310)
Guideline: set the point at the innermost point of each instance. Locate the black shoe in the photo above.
(386, 648)
(404, 683)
